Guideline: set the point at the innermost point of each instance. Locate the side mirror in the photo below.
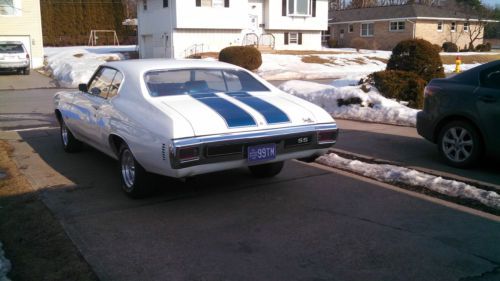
(83, 88)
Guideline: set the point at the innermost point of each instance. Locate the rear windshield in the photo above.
(11, 48)
(192, 81)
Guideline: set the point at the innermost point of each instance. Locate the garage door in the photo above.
(23, 38)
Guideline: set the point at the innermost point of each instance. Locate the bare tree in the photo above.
(130, 7)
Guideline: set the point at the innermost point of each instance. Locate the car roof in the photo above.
(139, 66)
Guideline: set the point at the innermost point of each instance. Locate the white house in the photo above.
(20, 20)
(179, 28)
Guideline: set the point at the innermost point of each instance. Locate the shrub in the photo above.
(483, 47)
(437, 48)
(359, 43)
(450, 47)
(333, 43)
(417, 56)
(400, 85)
(244, 56)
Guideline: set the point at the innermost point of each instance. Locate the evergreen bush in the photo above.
(400, 85)
(417, 56)
(450, 47)
(244, 56)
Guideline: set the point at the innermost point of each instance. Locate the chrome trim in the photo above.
(253, 135)
(248, 138)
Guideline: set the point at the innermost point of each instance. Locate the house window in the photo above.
(453, 27)
(299, 7)
(293, 38)
(366, 29)
(145, 5)
(397, 26)
(10, 7)
(466, 27)
(440, 26)
(165, 3)
(350, 28)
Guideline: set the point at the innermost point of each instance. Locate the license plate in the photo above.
(263, 152)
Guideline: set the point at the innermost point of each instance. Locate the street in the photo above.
(308, 223)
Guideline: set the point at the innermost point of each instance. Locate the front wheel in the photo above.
(459, 144)
(133, 176)
(266, 170)
(69, 142)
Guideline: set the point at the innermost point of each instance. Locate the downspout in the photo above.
(172, 9)
(414, 27)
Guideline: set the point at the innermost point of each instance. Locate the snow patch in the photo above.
(5, 265)
(373, 108)
(71, 66)
(394, 174)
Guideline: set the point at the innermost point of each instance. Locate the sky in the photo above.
(491, 2)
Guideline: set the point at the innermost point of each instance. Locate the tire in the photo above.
(459, 143)
(133, 176)
(26, 71)
(266, 170)
(69, 143)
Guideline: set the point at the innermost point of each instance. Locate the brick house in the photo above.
(383, 27)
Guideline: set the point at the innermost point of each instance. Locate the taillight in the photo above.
(431, 90)
(327, 136)
(28, 56)
(187, 154)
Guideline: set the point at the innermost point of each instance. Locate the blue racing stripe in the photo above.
(231, 113)
(271, 113)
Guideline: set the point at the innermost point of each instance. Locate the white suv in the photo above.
(13, 56)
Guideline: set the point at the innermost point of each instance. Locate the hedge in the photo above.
(400, 85)
(247, 57)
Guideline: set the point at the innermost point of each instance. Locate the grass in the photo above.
(314, 59)
(33, 239)
(450, 59)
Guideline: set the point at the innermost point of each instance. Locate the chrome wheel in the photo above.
(457, 144)
(64, 134)
(128, 169)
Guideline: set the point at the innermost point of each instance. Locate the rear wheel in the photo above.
(133, 176)
(459, 144)
(26, 71)
(266, 170)
(69, 142)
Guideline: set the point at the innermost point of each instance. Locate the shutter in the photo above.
(313, 8)
(286, 38)
(198, 3)
(226, 3)
(300, 38)
(283, 8)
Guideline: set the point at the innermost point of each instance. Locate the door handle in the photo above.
(487, 98)
(96, 107)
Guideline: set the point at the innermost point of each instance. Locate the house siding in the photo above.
(384, 39)
(28, 25)
(428, 30)
(311, 40)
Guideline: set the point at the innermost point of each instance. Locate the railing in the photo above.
(193, 50)
(250, 39)
(267, 40)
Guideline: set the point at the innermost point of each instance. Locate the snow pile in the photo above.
(4, 265)
(286, 67)
(374, 107)
(73, 65)
(394, 174)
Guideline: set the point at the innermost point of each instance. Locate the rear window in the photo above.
(11, 48)
(192, 81)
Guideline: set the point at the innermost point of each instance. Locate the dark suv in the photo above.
(462, 115)
(13, 56)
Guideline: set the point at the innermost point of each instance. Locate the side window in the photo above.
(101, 83)
(490, 78)
(117, 81)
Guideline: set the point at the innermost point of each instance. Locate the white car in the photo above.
(181, 118)
(13, 56)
